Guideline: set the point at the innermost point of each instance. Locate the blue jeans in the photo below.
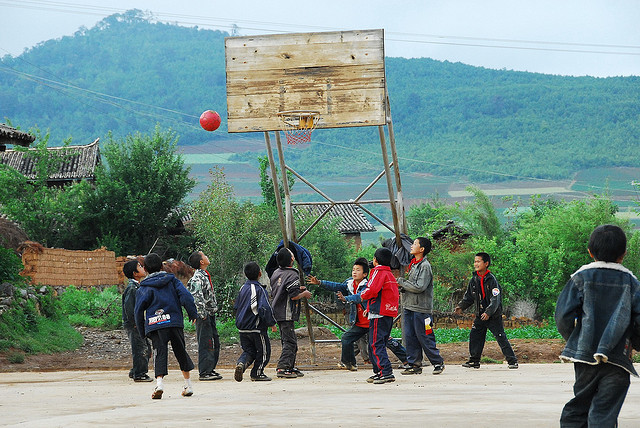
(350, 337)
(599, 392)
(417, 340)
(140, 351)
(208, 344)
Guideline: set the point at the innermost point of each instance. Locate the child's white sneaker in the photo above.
(187, 391)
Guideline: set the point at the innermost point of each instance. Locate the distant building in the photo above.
(9, 135)
(352, 220)
(451, 234)
(77, 163)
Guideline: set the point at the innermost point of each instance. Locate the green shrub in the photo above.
(16, 358)
(10, 266)
(92, 308)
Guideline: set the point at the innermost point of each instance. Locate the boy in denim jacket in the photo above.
(598, 314)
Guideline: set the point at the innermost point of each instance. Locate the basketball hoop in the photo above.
(299, 124)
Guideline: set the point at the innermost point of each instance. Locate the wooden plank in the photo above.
(335, 37)
(264, 123)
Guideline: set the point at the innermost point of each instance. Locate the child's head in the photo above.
(608, 243)
(198, 260)
(481, 262)
(360, 269)
(284, 257)
(383, 256)
(421, 246)
(252, 271)
(152, 263)
(133, 269)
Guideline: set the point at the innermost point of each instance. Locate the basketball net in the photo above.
(298, 125)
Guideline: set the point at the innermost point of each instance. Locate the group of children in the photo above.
(598, 313)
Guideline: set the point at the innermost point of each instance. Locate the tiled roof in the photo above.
(9, 135)
(352, 219)
(79, 162)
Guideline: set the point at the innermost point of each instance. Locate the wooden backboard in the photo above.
(340, 74)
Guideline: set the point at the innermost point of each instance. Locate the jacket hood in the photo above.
(157, 279)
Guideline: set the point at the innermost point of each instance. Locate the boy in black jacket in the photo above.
(140, 347)
(253, 316)
(485, 292)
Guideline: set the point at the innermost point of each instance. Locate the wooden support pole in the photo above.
(276, 189)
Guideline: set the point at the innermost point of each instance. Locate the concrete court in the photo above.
(492, 396)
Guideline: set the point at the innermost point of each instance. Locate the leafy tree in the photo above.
(231, 233)
(49, 215)
(142, 180)
(266, 183)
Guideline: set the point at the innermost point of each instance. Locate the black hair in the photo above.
(607, 243)
(251, 271)
(383, 256)
(425, 243)
(284, 257)
(129, 268)
(194, 259)
(152, 263)
(361, 261)
(485, 258)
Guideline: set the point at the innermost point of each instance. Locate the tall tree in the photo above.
(141, 181)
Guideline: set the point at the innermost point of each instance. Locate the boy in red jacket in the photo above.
(382, 297)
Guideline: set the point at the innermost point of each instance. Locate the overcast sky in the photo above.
(568, 37)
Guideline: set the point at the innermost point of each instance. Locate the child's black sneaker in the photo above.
(287, 374)
(513, 365)
(297, 372)
(144, 378)
(237, 374)
(385, 379)
(471, 364)
(373, 378)
(261, 378)
(411, 370)
(438, 368)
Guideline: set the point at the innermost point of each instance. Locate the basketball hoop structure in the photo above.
(298, 125)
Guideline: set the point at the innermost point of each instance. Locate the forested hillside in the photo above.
(449, 118)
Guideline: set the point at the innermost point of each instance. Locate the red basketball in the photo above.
(210, 120)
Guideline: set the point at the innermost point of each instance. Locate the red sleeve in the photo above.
(373, 287)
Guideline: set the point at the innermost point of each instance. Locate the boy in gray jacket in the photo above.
(417, 308)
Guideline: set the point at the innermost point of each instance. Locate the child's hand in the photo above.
(307, 294)
(274, 328)
(484, 316)
(341, 297)
(313, 280)
(457, 311)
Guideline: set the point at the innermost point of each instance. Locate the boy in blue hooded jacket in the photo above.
(158, 314)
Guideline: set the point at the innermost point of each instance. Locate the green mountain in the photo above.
(128, 74)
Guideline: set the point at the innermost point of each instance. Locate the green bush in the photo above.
(16, 358)
(92, 308)
(10, 266)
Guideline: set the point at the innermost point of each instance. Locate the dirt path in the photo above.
(109, 350)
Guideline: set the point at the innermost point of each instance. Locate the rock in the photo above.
(43, 290)
(6, 289)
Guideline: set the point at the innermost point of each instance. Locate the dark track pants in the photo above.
(160, 340)
(478, 336)
(289, 342)
(379, 331)
(208, 344)
(256, 350)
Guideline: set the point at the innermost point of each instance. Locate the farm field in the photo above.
(417, 187)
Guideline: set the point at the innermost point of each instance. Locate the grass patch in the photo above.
(16, 358)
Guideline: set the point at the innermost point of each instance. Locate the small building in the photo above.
(77, 163)
(452, 234)
(9, 135)
(352, 220)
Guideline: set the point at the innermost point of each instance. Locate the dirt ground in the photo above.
(109, 350)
